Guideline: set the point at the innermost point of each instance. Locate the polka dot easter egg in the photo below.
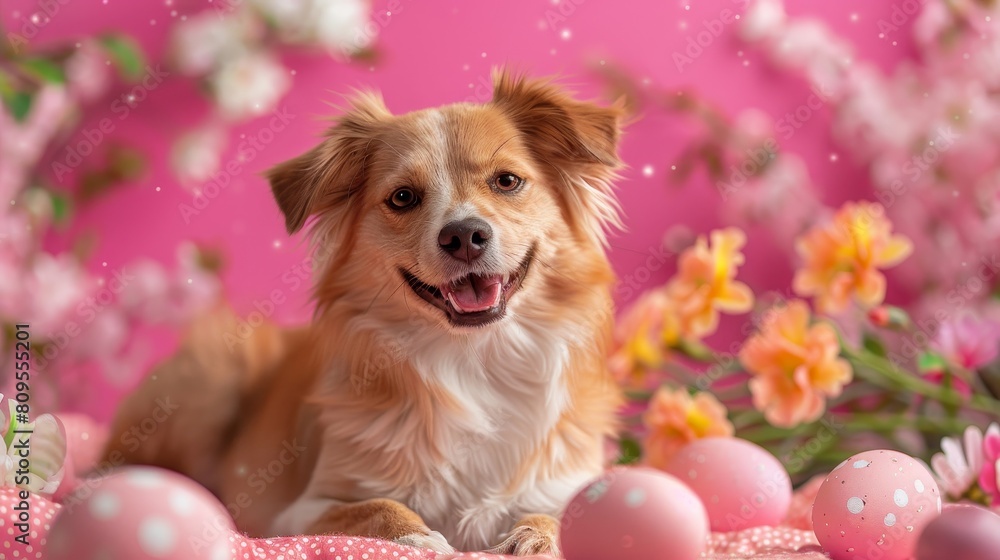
(875, 505)
(141, 513)
(740, 483)
(634, 513)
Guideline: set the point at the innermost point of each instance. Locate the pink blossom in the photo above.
(989, 478)
(957, 467)
(968, 342)
(87, 75)
(196, 155)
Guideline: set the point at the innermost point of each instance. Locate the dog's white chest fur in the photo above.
(510, 383)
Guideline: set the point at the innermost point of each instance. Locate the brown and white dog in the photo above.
(452, 388)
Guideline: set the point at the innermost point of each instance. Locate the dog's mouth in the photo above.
(473, 300)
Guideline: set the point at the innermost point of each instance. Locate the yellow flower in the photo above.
(705, 284)
(643, 334)
(843, 258)
(794, 365)
(675, 418)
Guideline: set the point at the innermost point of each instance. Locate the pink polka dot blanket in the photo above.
(141, 513)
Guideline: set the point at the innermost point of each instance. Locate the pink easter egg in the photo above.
(25, 521)
(961, 532)
(634, 513)
(141, 513)
(740, 483)
(875, 505)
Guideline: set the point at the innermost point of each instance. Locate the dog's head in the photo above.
(474, 209)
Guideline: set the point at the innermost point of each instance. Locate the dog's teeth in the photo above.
(451, 298)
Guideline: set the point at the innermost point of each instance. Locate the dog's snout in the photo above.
(465, 239)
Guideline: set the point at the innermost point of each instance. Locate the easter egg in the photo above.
(141, 513)
(635, 513)
(875, 505)
(961, 532)
(740, 483)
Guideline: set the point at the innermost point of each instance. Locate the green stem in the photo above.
(883, 373)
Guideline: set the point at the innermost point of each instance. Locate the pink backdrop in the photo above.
(441, 52)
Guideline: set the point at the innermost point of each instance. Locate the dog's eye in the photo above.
(403, 198)
(507, 182)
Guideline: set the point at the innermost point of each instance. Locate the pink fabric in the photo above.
(794, 541)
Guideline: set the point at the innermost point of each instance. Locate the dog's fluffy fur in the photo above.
(393, 415)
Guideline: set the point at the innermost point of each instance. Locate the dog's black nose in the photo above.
(465, 239)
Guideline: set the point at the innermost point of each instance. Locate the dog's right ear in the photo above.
(333, 171)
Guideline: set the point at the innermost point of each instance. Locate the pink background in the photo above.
(440, 52)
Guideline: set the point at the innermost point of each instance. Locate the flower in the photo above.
(205, 40)
(957, 469)
(642, 335)
(48, 452)
(989, 476)
(197, 154)
(675, 418)
(336, 24)
(794, 366)
(248, 85)
(968, 342)
(843, 258)
(704, 283)
(87, 75)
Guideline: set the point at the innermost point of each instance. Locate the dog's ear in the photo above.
(332, 171)
(579, 138)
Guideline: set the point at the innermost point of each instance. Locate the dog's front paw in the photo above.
(431, 539)
(535, 534)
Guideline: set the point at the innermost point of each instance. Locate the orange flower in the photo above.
(643, 334)
(675, 419)
(794, 366)
(843, 258)
(705, 283)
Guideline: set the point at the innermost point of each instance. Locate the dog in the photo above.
(451, 390)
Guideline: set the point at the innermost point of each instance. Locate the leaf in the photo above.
(19, 104)
(126, 54)
(43, 69)
(629, 451)
(929, 361)
(61, 207)
(873, 344)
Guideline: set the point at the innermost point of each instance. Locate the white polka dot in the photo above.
(900, 498)
(181, 502)
(104, 505)
(918, 485)
(861, 464)
(145, 478)
(841, 465)
(890, 520)
(855, 505)
(157, 536)
(635, 497)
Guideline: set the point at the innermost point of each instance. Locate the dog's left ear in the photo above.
(579, 138)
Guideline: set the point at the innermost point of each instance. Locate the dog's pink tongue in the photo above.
(474, 293)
